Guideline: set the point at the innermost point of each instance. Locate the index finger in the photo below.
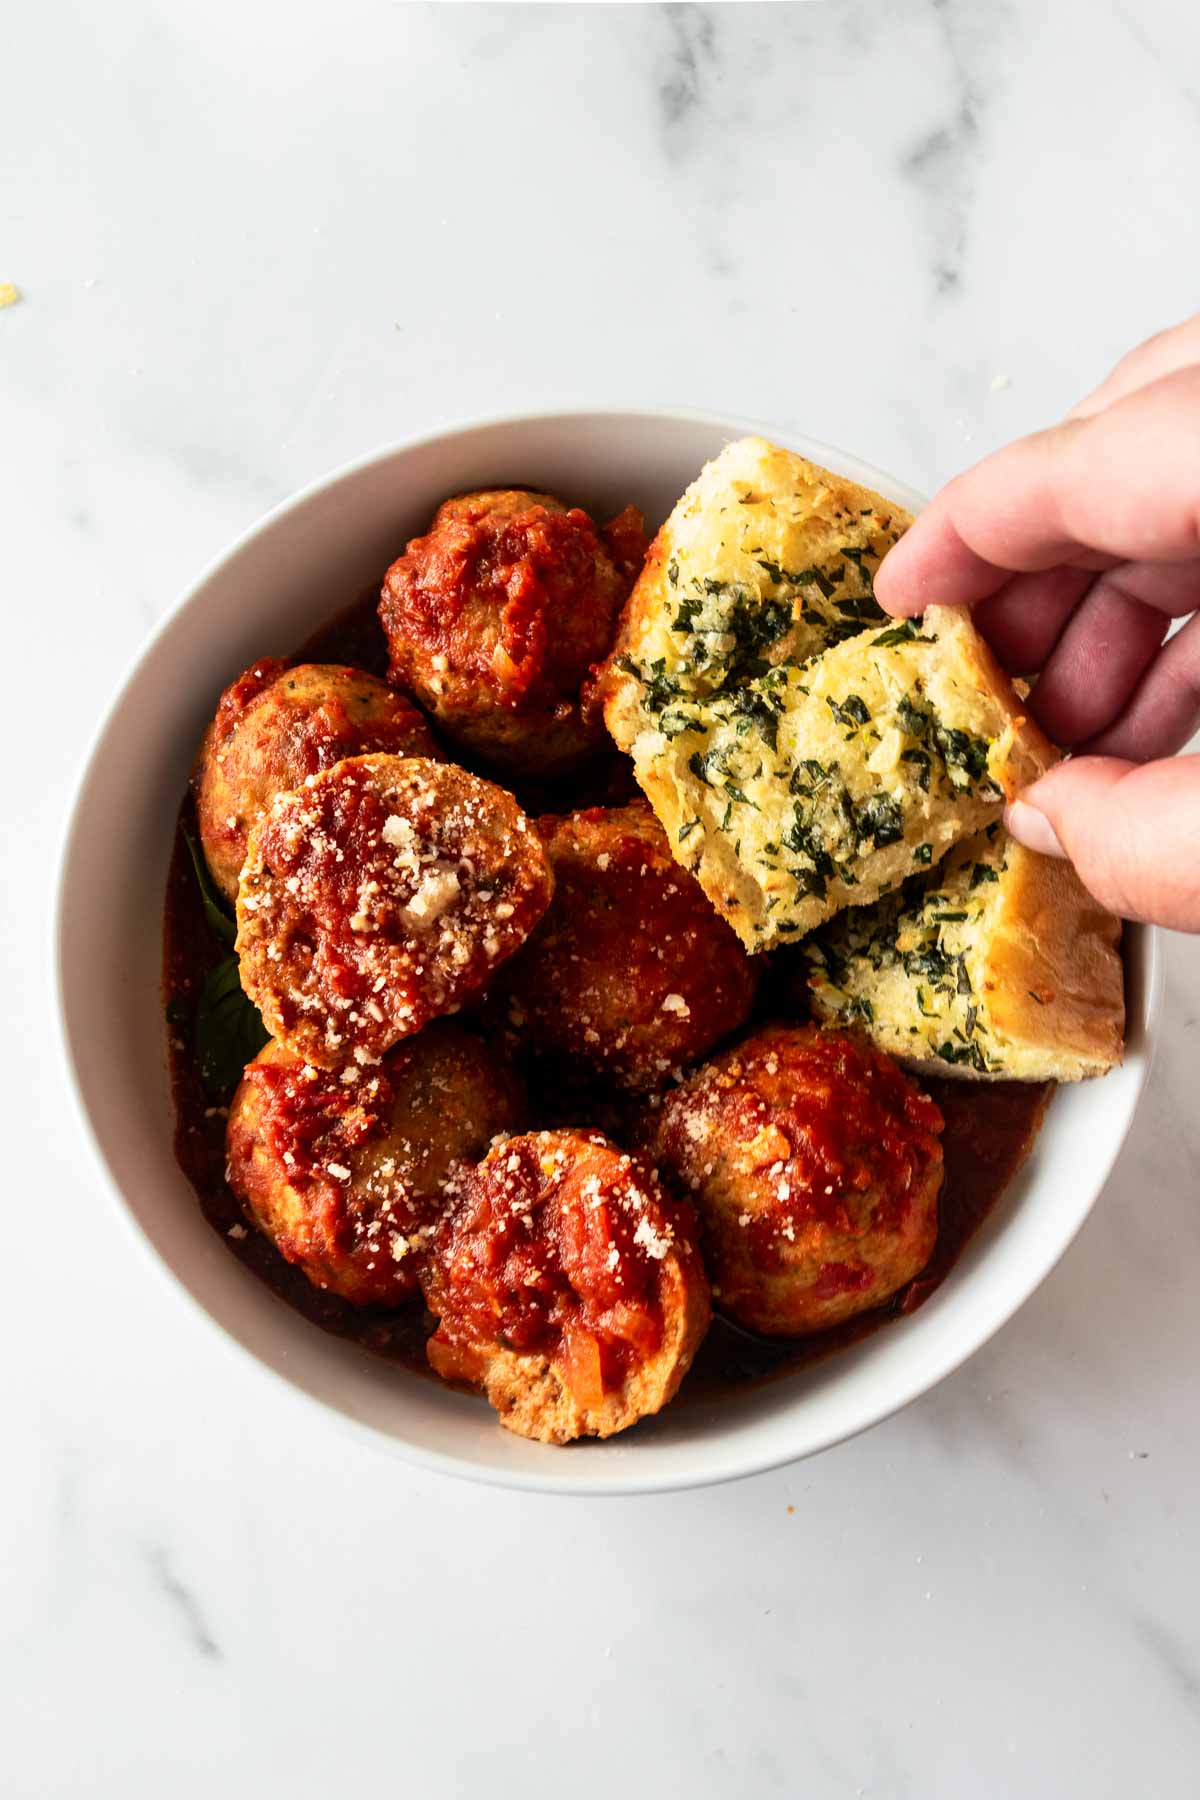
(1120, 485)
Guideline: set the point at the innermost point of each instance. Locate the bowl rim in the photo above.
(629, 1482)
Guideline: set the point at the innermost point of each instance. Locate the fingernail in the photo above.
(1030, 826)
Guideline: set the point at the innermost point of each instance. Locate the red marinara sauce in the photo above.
(496, 617)
(554, 1246)
(306, 1124)
(248, 686)
(514, 593)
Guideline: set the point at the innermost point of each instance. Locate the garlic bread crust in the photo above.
(766, 559)
(809, 789)
(998, 964)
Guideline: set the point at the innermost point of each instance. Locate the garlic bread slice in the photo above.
(809, 789)
(766, 559)
(999, 963)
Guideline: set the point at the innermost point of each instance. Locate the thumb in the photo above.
(1132, 831)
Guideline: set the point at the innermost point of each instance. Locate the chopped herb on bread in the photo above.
(766, 560)
(999, 963)
(828, 785)
(803, 752)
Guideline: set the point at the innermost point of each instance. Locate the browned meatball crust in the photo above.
(381, 894)
(274, 727)
(567, 1285)
(631, 974)
(815, 1165)
(348, 1178)
(495, 618)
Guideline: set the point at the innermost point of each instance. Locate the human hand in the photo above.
(1076, 548)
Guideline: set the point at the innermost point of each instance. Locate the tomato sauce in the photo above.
(481, 586)
(545, 1247)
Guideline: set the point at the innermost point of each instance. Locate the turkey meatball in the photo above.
(815, 1166)
(381, 894)
(347, 1179)
(631, 973)
(567, 1285)
(495, 618)
(274, 727)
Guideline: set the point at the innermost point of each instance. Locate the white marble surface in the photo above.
(254, 240)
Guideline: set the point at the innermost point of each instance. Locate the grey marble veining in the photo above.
(180, 1599)
(252, 242)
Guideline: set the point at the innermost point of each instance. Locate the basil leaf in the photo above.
(229, 1030)
(880, 819)
(223, 928)
(851, 711)
(904, 633)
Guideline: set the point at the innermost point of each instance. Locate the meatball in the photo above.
(496, 617)
(274, 727)
(815, 1166)
(381, 894)
(567, 1285)
(348, 1179)
(631, 973)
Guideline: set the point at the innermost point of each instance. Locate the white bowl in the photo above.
(264, 596)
